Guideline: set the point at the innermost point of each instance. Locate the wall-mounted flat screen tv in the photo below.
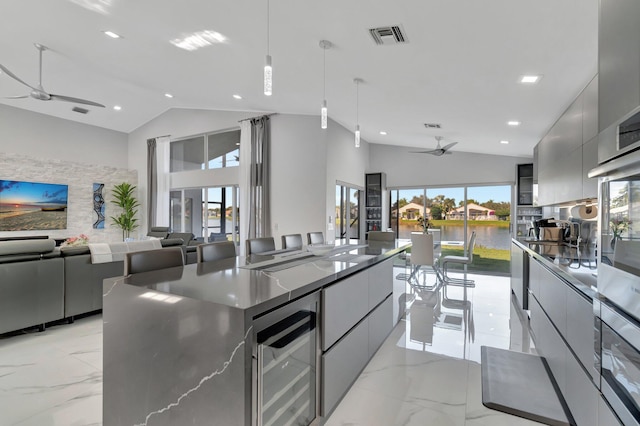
(26, 206)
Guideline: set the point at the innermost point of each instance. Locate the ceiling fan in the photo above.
(39, 93)
(438, 151)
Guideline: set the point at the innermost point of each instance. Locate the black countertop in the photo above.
(575, 265)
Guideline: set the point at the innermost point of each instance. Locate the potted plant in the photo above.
(124, 198)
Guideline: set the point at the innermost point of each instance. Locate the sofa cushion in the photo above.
(28, 237)
(170, 242)
(74, 250)
(31, 246)
(186, 236)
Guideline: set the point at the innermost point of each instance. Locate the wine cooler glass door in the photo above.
(287, 359)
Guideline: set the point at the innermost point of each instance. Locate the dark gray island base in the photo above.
(244, 341)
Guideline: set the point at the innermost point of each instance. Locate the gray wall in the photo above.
(39, 148)
(42, 136)
(406, 169)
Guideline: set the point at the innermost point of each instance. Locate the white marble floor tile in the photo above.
(85, 409)
(363, 407)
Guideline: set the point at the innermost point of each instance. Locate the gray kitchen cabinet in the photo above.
(380, 282)
(534, 277)
(343, 305)
(568, 177)
(357, 316)
(380, 325)
(549, 344)
(605, 414)
(519, 274)
(581, 396)
(568, 131)
(342, 364)
(589, 161)
(590, 111)
(553, 299)
(619, 60)
(580, 328)
(536, 161)
(569, 150)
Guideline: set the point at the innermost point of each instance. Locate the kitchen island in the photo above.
(245, 341)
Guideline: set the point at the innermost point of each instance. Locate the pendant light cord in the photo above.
(268, 28)
(357, 102)
(324, 73)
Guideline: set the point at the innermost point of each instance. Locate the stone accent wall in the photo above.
(80, 178)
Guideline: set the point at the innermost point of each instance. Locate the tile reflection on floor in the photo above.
(53, 377)
(427, 372)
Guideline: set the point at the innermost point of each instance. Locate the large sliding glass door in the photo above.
(347, 212)
(211, 214)
(457, 212)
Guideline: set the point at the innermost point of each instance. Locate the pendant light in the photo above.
(357, 81)
(268, 71)
(324, 44)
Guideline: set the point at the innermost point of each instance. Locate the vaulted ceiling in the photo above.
(459, 66)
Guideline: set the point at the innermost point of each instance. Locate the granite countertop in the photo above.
(575, 265)
(256, 284)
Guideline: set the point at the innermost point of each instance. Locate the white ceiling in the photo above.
(459, 68)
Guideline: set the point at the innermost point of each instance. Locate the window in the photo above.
(220, 149)
(456, 212)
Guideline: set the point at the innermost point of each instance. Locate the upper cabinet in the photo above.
(566, 153)
(619, 60)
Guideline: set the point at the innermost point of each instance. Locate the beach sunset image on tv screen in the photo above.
(32, 206)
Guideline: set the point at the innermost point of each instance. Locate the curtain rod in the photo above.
(258, 116)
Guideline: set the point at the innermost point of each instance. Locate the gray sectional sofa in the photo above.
(31, 284)
(42, 283)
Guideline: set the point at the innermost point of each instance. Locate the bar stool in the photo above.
(215, 251)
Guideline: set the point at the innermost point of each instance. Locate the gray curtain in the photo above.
(259, 180)
(152, 183)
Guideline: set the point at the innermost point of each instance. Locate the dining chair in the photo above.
(315, 238)
(215, 251)
(259, 245)
(422, 254)
(151, 260)
(462, 260)
(292, 241)
(381, 236)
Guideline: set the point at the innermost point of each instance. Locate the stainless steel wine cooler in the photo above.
(285, 365)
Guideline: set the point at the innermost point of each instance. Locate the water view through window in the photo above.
(457, 212)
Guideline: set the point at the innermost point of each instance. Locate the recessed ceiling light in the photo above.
(111, 34)
(513, 123)
(168, 95)
(383, 133)
(504, 142)
(530, 79)
(237, 97)
(117, 107)
(199, 39)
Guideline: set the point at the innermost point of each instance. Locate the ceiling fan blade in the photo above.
(75, 100)
(15, 77)
(16, 97)
(432, 151)
(446, 147)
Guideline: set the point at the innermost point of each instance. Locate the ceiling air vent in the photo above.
(432, 126)
(80, 110)
(388, 35)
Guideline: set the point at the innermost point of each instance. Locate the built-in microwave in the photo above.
(620, 138)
